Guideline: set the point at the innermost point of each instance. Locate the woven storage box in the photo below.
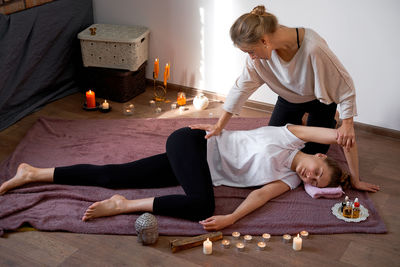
(116, 85)
(114, 46)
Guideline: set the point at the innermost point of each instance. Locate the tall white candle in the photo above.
(207, 247)
(297, 242)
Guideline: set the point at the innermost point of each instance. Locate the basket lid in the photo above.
(114, 33)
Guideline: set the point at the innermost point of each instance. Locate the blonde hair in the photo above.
(339, 177)
(251, 27)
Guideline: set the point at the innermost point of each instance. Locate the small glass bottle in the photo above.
(347, 210)
(356, 209)
(344, 203)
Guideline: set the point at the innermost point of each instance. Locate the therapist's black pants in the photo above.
(319, 114)
(184, 163)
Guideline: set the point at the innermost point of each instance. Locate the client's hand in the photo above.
(366, 186)
(212, 129)
(216, 223)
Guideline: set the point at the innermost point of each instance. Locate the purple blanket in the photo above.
(55, 142)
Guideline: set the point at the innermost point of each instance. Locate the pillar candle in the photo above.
(207, 247)
(90, 99)
(297, 242)
(156, 68)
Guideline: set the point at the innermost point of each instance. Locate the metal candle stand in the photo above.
(160, 91)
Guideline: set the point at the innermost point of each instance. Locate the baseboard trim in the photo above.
(268, 108)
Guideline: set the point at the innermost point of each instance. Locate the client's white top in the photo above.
(254, 157)
(313, 73)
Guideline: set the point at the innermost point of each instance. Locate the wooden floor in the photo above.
(379, 163)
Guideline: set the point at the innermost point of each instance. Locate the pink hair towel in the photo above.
(327, 192)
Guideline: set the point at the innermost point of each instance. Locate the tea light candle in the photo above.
(266, 237)
(207, 247)
(158, 110)
(240, 246)
(105, 105)
(225, 243)
(90, 99)
(261, 245)
(286, 238)
(236, 235)
(304, 234)
(152, 103)
(297, 242)
(247, 238)
(173, 106)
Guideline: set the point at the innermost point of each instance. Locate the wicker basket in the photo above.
(114, 46)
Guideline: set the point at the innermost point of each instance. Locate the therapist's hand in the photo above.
(345, 134)
(212, 129)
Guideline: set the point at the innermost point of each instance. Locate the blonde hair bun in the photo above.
(258, 10)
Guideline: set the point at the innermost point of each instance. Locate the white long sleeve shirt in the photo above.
(313, 73)
(253, 157)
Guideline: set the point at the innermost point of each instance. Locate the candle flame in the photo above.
(298, 235)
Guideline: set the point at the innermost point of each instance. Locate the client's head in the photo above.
(321, 171)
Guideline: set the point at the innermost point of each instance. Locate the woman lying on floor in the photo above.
(269, 157)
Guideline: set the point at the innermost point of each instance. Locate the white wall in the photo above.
(194, 36)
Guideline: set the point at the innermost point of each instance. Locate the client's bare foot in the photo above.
(109, 207)
(25, 174)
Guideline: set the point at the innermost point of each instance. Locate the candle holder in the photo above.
(181, 99)
(160, 92)
(261, 245)
(304, 234)
(105, 107)
(248, 238)
(240, 247)
(286, 238)
(225, 243)
(266, 237)
(128, 109)
(91, 109)
(236, 235)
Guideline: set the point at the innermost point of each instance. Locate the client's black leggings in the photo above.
(184, 163)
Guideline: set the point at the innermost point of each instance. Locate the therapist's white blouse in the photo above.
(254, 157)
(313, 73)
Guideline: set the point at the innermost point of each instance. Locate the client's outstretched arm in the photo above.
(328, 136)
(254, 200)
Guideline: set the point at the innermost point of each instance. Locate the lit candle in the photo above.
(247, 238)
(266, 237)
(156, 68)
(181, 99)
(207, 247)
(225, 243)
(240, 246)
(105, 105)
(297, 242)
(90, 99)
(304, 234)
(261, 245)
(166, 73)
(236, 235)
(286, 238)
(152, 103)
